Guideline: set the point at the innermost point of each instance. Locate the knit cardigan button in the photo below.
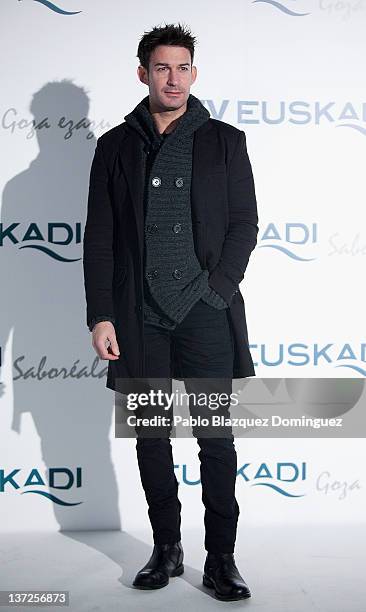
(177, 274)
(179, 182)
(156, 181)
(177, 227)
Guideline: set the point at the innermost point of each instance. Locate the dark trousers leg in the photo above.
(154, 454)
(205, 349)
(160, 484)
(218, 476)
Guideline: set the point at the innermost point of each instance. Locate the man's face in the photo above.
(169, 78)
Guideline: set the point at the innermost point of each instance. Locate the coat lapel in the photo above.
(131, 155)
(200, 168)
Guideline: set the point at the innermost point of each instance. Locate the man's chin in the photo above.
(173, 102)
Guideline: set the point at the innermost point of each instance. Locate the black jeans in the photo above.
(204, 346)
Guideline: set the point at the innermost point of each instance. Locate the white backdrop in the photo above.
(288, 74)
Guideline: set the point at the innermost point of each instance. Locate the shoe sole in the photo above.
(177, 572)
(207, 582)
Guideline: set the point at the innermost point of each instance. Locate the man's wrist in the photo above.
(100, 319)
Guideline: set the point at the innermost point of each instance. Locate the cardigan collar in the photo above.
(142, 121)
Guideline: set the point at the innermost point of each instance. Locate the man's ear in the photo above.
(142, 75)
(194, 73)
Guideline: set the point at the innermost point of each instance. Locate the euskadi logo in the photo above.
(299, 113)
(294, 240)
(282, 477)
(57, 478)
(44, 238)
(54, 7)
(298, 354)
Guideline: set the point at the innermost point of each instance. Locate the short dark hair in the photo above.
(170, 34)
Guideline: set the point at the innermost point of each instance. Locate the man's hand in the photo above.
(104, 340)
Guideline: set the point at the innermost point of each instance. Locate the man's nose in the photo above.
(172, 78)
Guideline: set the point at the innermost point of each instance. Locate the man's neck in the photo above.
(166, 121)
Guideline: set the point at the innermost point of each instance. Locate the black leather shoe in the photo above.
(166, 560)
(221, 574)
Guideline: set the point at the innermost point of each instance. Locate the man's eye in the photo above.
(164, 68)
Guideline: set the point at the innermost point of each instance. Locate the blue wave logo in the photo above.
(282, 8)
(277, 489)
(56, 9)
(355, 368)
(287, 252)
(48, 251)
(358, 128)
(53, 498)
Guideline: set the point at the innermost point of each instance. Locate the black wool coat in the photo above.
(225, 228)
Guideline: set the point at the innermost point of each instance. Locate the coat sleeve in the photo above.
(241, 235)
(98, 243)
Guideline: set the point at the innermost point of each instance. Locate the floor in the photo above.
(289, 569)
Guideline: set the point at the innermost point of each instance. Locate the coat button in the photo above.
(177, 274)
(179, 182)
(152, 228)
(156, 181)
(152, 274)
(177, 228)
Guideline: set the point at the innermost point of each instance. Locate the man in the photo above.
(172, 221)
